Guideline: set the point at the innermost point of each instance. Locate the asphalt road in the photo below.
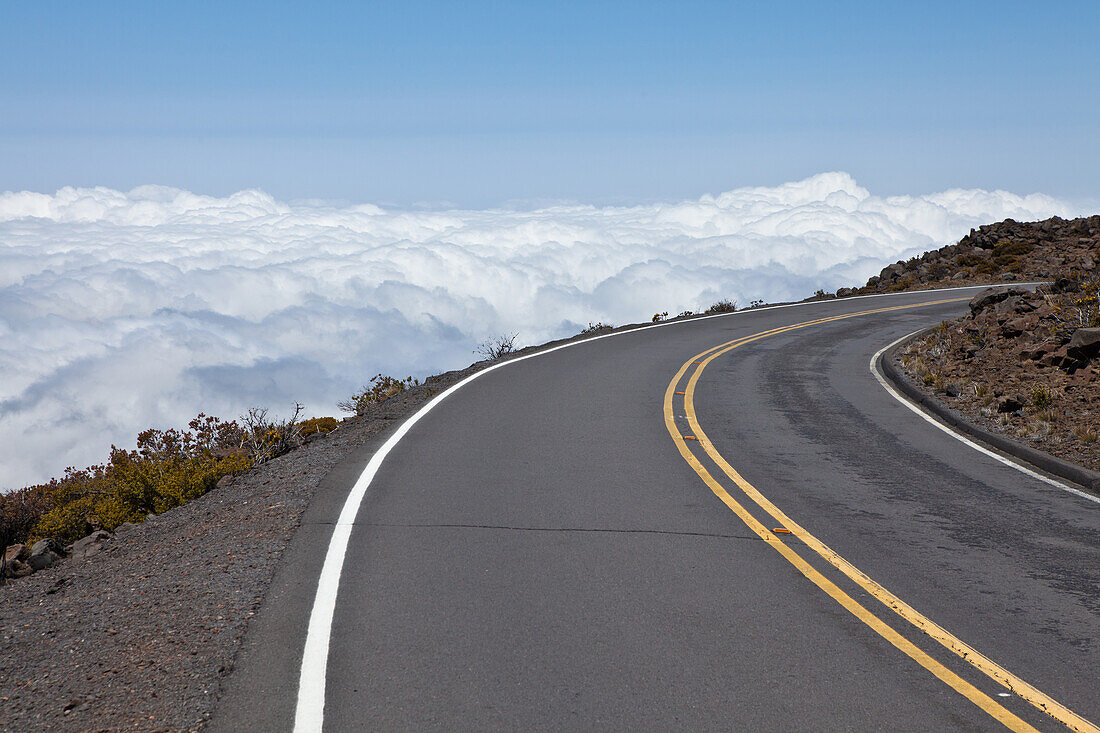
(537, 554)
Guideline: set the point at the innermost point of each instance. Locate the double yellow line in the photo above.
(999, 674)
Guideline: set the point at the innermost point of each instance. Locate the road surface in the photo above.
(585, 540)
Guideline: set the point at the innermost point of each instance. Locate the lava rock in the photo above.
(16, 552)
(1009, 404)
(1084, 344)
(992, 296)
(91, 544)
(43, 560)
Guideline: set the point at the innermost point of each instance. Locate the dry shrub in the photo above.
(381, 387)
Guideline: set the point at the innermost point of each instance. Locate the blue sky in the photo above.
(482, 103)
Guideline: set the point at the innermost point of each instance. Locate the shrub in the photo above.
(724, 306)
(1041, 397)
(594, 328)
(381, 387)
(168, 468)
(266, 438)
(1085, 435)
(1009, 248)
(658, 317)
(494, 349)
(19, 512)
(316, 425)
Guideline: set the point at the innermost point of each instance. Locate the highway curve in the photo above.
(568, 542)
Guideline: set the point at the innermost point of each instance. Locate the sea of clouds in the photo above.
(126, 310)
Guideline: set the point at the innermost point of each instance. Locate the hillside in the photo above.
(1023, 363)
(1005, 251)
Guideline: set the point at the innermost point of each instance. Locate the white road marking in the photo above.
(959, 436)
(309, 715)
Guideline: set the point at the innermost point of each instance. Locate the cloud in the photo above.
(120, 311)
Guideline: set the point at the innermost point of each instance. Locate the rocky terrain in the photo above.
(1024, 363)
(1005, 251)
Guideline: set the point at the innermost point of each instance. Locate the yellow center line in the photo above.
(968, 653)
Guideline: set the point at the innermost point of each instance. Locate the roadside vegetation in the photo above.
(166, 469)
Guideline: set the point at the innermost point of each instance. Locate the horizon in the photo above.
(428, 104)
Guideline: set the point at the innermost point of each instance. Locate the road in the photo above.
(546, 550)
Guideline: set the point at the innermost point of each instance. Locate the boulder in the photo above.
(892, 272)
(845, 292)
(49, 544)
(1017, 327)
(1009, 404)
(43, 560)
(17, 569)
(16, 552)
(1066, 285)
(993, 296)
(91, 544)
(1084, 344)
(45, 553)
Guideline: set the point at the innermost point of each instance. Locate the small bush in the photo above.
(658, 317)
(685, 314)
(266, 438)
(1085, 435)
(19, 513)
(494, 349)
(723, 306)
(317, 425)
(1009, 248)
(594, 328)
(381, 387)
(1041, 397)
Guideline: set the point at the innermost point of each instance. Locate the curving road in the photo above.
(546, 550)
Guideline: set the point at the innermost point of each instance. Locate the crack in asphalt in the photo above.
(612, 530)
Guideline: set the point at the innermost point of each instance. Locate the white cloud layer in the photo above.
(121, 311)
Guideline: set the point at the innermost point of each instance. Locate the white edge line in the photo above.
(310, 713)
(959, 436)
